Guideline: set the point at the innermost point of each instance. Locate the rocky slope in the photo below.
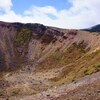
(35, 58)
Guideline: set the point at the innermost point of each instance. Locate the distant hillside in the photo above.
(94, 28)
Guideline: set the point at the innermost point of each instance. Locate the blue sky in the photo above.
(70, 14)
(20, 5)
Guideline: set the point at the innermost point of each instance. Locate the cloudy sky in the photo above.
(58, 13)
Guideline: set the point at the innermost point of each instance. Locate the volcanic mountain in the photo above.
(35, 58)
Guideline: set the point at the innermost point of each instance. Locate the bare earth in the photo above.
(87, 88)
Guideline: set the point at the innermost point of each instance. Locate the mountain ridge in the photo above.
(95, 28)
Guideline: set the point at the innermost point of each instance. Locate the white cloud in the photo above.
(44, 10)
(5, 5)
(82, 14)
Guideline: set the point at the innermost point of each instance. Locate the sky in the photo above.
(70, 14)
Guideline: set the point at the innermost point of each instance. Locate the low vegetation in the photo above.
(23, 36)
(15, 92)
(1, 94)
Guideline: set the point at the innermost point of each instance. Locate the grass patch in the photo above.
(86, 72)
(92, 69)
(97, 66)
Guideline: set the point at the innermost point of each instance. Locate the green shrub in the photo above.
(86, 72)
